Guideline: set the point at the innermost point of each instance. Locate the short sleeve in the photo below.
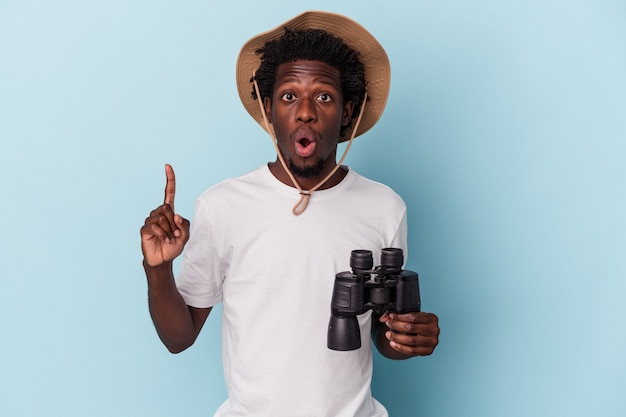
(201, 271)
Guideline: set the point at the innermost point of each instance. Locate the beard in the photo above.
(306, 172)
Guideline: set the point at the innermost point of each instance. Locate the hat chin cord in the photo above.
(305, 194)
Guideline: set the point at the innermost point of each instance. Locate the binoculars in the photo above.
(383, 288)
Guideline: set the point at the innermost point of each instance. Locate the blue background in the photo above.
(505, 133)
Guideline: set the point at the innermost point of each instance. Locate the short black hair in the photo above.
(312, 45)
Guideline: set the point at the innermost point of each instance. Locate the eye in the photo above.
(325, 98)
(288, 97)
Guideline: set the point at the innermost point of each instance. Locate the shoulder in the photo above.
(236, 185)
(375, 191)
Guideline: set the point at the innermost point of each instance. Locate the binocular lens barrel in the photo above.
(343, 333)
(392, 258)
(361, 259)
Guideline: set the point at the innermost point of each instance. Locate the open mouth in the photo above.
(305, 145)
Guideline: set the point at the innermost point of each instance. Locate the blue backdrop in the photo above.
(505, 133)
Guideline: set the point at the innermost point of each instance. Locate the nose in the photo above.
(306, 111)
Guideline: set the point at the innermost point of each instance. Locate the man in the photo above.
(305, 82)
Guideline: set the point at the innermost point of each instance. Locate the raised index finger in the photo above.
(170, 186)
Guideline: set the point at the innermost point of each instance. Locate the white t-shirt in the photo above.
(274, 273)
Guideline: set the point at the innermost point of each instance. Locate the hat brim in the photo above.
(371, 54)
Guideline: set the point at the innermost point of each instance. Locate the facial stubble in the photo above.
(306, 172)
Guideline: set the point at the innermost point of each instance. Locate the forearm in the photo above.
(170, 314)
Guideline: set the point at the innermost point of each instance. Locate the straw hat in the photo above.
(371, 54)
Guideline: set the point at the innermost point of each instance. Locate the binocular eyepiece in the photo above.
(386, 287)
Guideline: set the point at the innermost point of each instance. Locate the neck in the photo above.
(307, 183)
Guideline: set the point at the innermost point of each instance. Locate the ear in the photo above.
(348, 108)
(268, 109)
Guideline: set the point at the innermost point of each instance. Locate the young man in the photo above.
(305, 82)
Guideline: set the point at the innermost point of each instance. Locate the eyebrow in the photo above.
(323, 79)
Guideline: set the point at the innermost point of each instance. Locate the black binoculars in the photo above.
(383, 288)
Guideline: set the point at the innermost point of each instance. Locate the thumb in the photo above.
(183, 227)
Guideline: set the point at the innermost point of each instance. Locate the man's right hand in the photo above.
(164, 234)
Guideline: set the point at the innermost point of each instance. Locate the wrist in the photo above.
(162, 265)
(158, 270)
(160, 278)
